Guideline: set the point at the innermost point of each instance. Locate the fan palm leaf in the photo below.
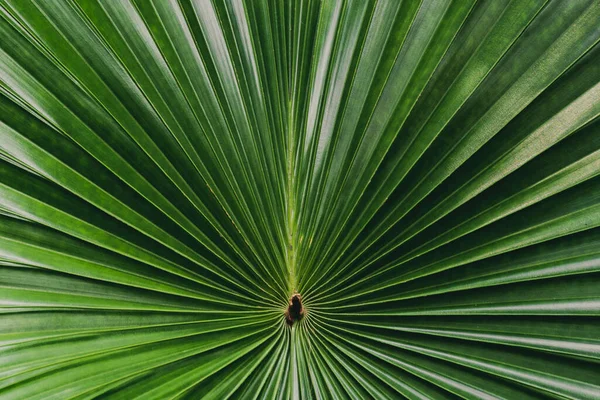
(299, 199)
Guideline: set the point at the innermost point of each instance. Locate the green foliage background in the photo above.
(424, 173)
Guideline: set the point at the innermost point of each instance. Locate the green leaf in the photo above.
(302, 199)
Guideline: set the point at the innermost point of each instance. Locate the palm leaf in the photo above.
(424, 173)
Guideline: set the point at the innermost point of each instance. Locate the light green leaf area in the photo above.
(299, 199)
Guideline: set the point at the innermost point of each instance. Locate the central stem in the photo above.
(291, 203)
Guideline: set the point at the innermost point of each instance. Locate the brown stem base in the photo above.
(295, 311)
